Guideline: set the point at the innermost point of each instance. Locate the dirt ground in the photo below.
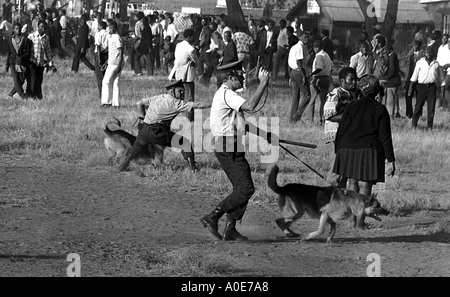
(50, 208)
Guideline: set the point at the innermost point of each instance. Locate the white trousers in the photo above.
(110, 86)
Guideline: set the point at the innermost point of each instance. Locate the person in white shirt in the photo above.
(426, 76)
(186, 61)
(282, 51)
(172, 30)
(320, 84)
(443, 58)
(156, 114)
(95, 28)
(228, 128)
(101, 54)
(301, 95)
(111, 80)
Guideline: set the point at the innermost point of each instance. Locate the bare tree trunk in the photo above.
(235, 14)
(390, 19)
(103, 7)
(371, 20)
(123, 6)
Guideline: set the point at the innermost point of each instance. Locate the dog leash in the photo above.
(304, 163)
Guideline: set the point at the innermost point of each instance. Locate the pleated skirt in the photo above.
(365, 164)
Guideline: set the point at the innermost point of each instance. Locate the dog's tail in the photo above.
(115, 121)
(272, 181)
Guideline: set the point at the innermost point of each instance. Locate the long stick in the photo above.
(298, 143)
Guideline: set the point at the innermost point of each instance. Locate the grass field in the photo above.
(67, 124)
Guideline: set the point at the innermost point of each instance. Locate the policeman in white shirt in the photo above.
(425, 79)
(157, 113)
(228, 128)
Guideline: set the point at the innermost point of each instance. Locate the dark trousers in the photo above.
(409, 99)
(81, 56)
(66, 44)
(99, 74)
(160, 135)
(156, 56)
(238, 172)
(148, 63)
(34, 86)
(281, 61)
(446, 95)
(189, 94)
(19, 79)
(319, 88)
(211, 60)
(267, 58)
(425, 93)
(301, 96)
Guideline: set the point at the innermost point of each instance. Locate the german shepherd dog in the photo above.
(328, 204)
(119, 142)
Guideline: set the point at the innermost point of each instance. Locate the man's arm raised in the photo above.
(252, 103)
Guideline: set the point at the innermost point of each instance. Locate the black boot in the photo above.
(231, 234)
(211, 222)
(192, 164)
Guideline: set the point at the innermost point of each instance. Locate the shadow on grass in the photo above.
(32, 257)
(440, 237)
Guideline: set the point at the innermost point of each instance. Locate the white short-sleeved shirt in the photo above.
(172, 32)
(443, 56)
(163, 108)
(322, 61)
(425, 73)
(114, 44)
(297, 52)
(226, 118)
(101, 39)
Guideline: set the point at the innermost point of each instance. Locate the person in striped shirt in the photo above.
(40, 58)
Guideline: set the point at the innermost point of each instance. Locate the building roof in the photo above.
(409, 11)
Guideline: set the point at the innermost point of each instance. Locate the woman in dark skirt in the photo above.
(364, 140)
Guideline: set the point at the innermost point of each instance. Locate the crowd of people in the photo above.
(195, 54)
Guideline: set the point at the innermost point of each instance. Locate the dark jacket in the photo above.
(366, 123)
(55, 34)
(261, 40)
(24, 53)
(392, 75)
(230, 53)
(83, 37)
(146, 40)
